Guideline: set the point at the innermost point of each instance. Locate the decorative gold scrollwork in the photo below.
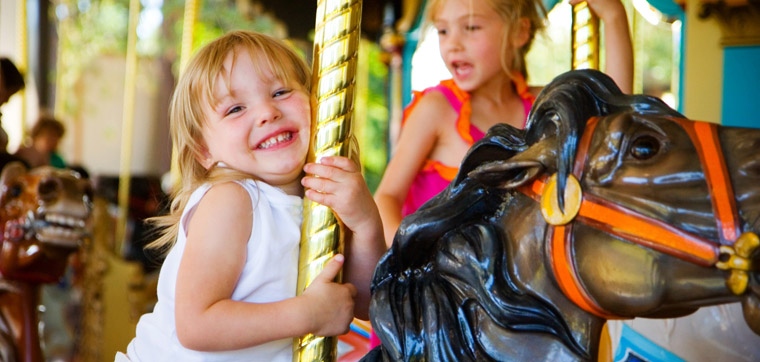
(736, 258)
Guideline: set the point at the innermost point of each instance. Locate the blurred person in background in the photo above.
(11, 81)
(41, 148)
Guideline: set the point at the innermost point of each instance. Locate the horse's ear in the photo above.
(519, 169)
(11, 171)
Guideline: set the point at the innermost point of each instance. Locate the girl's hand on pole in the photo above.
(337, 182)
(330, 305)
(606, 10)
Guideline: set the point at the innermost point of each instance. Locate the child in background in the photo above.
(483, 44)
(240, 122)
(43, 145)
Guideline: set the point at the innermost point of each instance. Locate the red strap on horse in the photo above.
(704, 136)
(638, 228)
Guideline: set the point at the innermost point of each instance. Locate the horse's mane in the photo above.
(446, 274)
(447, 270)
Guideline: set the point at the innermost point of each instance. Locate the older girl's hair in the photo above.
(194, 91)
(510, 11)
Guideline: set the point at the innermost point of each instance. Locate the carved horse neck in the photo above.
(21, 301)
(529, 263)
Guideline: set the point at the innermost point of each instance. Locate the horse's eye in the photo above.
(15, 190)
(644, 147)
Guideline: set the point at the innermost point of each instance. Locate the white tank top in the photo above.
(269, 275)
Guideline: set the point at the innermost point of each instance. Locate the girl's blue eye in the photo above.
(281, 92)
(234, 109)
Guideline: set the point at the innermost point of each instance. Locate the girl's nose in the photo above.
(268, 112)
(452, 41)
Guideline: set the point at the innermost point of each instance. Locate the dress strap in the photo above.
(454, 96)
(447, 173)
(524, 92)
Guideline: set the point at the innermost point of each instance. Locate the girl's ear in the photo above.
(521, 32)
(204, 158)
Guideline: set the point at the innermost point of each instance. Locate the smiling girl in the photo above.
(240, 122)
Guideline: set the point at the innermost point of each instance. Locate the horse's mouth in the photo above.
(60, 230)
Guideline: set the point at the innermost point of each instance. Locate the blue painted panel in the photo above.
(669, 8)
(741, 86)
(634, 347)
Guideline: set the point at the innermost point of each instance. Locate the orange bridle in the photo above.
(649, 232)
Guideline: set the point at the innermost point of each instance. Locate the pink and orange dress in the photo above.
(435, 176)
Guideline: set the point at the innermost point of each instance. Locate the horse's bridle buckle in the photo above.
(737, 259)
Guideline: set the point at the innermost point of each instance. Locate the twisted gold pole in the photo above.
(584, 39)
(23, 59)
(584, 43)
(127, 122)
(336, 43)
(188, 29)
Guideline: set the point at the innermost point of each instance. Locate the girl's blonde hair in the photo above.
(194, 90)
(510, 11)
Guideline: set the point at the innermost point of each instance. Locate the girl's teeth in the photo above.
(275, 140)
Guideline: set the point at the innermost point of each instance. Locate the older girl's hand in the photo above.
(607, 10)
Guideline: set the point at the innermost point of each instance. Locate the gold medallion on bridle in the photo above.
(550, 208)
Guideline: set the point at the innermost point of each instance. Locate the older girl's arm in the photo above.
(418, 137)
(618, 47)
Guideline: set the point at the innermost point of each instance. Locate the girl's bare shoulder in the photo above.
(431, 109)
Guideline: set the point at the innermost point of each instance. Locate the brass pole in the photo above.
(638, 48)
(336, 43)
(23, 59)
(584, 43)
(584, 38)
(127, 122)
(188, 29)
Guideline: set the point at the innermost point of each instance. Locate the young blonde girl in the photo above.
(483, 44)
(240, 122)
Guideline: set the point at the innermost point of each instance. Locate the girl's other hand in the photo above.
(330, 305)
(337, 182)
(607, 10)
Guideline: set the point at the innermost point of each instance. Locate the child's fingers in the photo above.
(331, 269)
(342, 163)
(321, 184)
(331, 194)
(352, 289)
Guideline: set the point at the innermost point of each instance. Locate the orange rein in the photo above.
(638, 228)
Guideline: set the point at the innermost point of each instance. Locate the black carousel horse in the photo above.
(606, 206)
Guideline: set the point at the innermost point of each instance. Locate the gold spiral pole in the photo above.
(188, 30)
(23, 58)
(336, 44)
(584, 43)
(127, 122)
(584, 38)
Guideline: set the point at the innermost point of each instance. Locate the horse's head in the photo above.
(43, 219)
(654, 215)
(638, 217)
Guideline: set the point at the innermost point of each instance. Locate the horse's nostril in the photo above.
(752, 169)
(49, 189)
